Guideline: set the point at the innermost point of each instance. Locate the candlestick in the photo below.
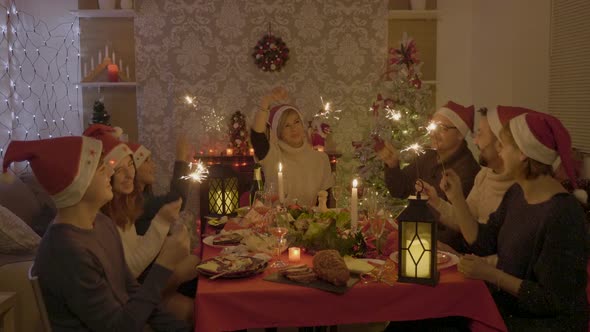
(113, 58)
(106, 50)
(354, 216)
(113, 73)
(281, 184)
(229, 152)
(294, 254)
(121, 64)
(99, 57)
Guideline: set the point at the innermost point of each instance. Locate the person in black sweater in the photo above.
(80, 264)
(539, 232)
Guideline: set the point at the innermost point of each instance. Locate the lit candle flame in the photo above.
(199, 174)
(280, 167)
(355, 183)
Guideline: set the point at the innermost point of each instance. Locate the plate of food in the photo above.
(361, 265)
(217, 222)
(444, 259)
(232, 267)
(223, 240)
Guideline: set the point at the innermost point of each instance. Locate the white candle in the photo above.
(106, 50)
(120, 64)
(294, 254)
(422, 269)
(127, 71)
(99, 57)
(92, 63)
(354, 197)
(113, 59)
(281, 184)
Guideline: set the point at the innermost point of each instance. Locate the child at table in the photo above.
(82, 272)
(538, 232)
(305, 170)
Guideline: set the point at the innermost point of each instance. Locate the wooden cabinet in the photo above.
(112, 29)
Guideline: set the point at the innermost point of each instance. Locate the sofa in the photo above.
(25, 212)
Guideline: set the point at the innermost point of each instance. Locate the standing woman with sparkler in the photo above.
(306, 171)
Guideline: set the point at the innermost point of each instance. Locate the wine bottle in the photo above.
(257, 184)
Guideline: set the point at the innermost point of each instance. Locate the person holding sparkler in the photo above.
(306, 171)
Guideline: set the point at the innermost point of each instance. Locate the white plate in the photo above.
(209, 241)
(452, 262)
(372, 260)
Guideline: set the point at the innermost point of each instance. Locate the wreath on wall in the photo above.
(270, 53)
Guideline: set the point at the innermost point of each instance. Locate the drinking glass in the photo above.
(337, 193)
(279, 228)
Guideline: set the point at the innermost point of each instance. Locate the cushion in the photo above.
(47, 210)
(15, 235)
(18, 198)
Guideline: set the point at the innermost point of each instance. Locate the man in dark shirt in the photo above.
(454, 122)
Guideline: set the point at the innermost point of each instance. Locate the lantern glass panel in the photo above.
(416, 249)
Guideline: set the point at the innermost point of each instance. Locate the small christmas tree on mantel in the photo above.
(238, 133)
(99, 115)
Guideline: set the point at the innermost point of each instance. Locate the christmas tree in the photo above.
(99, 115)
(399, 115)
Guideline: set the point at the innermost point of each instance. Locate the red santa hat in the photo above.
(543, 137)
(112, 148)
(462, 117)
(140, 153)
(64, 166)
(500, 116)
(275, 115)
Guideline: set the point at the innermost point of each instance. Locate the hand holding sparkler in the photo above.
(451, 185)
(386, 152)
(278, 94)
(429, 191)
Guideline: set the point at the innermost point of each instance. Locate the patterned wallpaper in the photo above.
(203, 48)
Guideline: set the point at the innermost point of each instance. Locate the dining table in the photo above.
(252, 302)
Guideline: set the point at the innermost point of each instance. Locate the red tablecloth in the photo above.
(227, 305)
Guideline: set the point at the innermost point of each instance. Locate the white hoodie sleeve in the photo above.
(140, 251)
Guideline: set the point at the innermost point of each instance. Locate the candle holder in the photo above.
(294, 254)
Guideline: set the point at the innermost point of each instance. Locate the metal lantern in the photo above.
(223, 190)
(417, 244)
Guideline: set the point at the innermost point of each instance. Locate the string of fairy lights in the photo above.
(39, 75)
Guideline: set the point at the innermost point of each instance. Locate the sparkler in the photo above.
(392, 114)
(199, 174)
(327, 112)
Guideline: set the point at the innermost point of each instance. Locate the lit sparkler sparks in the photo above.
(199, 174)
(327, 112)
(190, 100)
(392, 114)
(416, 148)
(432, 126)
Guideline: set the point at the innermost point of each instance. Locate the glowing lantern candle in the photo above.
(229, 152)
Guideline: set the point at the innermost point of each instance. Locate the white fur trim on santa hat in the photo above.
(117, 154)
(455, 119)
(529, 144)
(141, 155)
(494, 122)
(89, 158)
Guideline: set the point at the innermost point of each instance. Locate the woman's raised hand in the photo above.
(451, 185)
(278, 94)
